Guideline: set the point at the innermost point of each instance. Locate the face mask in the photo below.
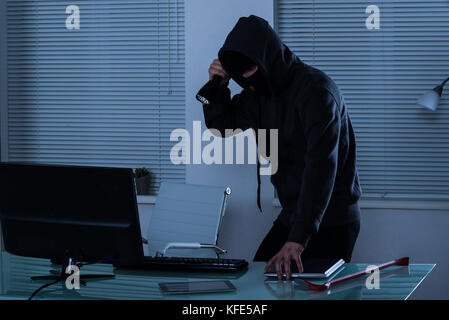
(259, 83)
(245, 83)
(235, 64)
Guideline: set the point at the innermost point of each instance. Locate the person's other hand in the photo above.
(217, 69)
(290, 251)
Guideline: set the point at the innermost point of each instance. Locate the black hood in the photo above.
(254, 38)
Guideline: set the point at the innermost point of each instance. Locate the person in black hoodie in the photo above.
(316, 180)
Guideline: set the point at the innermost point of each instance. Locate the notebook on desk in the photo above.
(312, 268)
(186, 213)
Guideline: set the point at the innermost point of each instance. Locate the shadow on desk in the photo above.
(184, 274)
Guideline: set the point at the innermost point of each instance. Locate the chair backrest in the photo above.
(186, 213)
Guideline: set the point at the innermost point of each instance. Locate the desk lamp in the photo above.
(431, 99)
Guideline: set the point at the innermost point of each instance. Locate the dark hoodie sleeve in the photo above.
(223, 112)
(321, 122)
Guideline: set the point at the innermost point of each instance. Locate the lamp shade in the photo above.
(429, 100)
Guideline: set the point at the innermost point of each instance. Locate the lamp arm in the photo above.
(439, 89)
(444, 82)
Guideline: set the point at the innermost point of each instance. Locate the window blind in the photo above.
(403, 150)
(107, 94)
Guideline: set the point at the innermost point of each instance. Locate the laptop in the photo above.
(312, 268)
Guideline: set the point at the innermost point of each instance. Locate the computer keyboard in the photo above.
(191, 264)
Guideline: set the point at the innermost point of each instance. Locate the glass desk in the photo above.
(15, 283)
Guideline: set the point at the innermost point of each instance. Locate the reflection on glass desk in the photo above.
(15, 283)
